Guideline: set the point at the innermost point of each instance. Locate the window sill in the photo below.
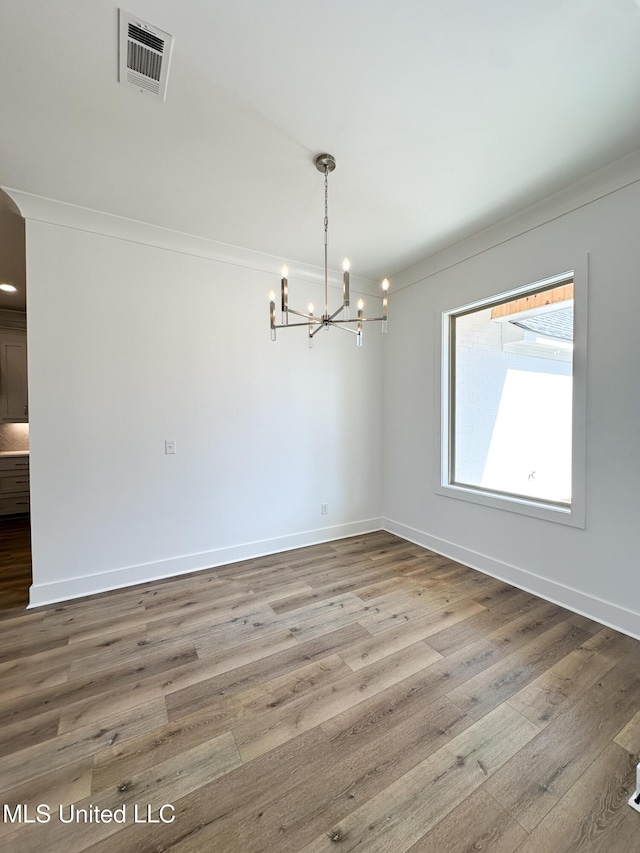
(573, 516)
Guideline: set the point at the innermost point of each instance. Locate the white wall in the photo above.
(131, 344)
(592, 570)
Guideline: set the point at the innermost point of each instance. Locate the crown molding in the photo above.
(615, 176)
(41, 209)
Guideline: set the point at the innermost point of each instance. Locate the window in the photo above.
(508, 402)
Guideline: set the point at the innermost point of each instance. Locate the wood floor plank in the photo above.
(408, 696)
(564, 682)
(206, 819)
(478, 823)
(72, 747)
(629, 737)
(188, 605)
(188, 695)
(276, 727)
(248, 699)
(402, 813)
(69, 654)
(138, 695)
(377, 543)
(19, 618)
(351, 772)
(18, 685)
(245, 653)
(79, 694)
(159, 784)
(356, 582)
(59, 628)
(24, 733)
(500, 607)
(394, 583)
(282, 689)
(323, 616)
(62, 787)
(223, 623)
(73, 618)
(178, 736)
(387, 610)
(387, 642)
(495, 685)
(522, 629)
(29, 646)
(138, 649)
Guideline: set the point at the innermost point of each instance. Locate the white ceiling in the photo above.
(443, 116)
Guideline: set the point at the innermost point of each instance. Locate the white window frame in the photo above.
(573, 515)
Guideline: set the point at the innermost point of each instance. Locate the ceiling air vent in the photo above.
(144, 56)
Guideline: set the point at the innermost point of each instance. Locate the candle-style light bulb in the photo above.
(346, 266)
(385, 288)
(310, 310)
(284, 293)
(272, 315)
(360, 304)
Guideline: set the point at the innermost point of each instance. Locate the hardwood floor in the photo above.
(15, 561)
(363, 695)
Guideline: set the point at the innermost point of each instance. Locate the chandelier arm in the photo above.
(345, 329)
(293, 325)
(335, 313)
(301, 314)
(360, 320)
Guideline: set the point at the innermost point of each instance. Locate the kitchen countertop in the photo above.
(13, 453)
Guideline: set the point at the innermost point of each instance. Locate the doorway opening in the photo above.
(15, 522)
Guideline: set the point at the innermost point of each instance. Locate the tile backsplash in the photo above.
(14, 437)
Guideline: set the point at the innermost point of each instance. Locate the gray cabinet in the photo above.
(14, 402)
(14, 484)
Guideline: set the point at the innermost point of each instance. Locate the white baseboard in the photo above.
(63, 590)
(606, 612)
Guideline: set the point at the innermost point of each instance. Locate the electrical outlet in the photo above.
(169, 447)
(324, 509)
